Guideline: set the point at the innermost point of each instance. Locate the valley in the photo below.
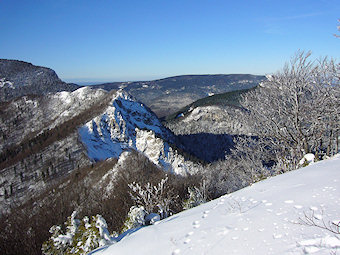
(159, 147)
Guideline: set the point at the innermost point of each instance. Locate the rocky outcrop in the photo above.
(127, 124)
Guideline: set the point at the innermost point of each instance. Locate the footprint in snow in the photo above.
(298, 206)
(187, 240)
(189, 234)
(277, 236)
(196, 224)
(268, 204)
(204, 215)
(313, 208)
(177, 251)
(289, 201)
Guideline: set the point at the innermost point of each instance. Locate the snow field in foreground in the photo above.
(264, 218)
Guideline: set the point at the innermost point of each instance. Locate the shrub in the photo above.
(80, 236)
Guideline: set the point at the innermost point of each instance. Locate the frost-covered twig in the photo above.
(312, 221)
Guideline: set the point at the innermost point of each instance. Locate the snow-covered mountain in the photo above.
(128, 124)
(269, 217)
(168, 95)
(47, 137)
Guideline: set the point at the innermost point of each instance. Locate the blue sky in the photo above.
(107, 40)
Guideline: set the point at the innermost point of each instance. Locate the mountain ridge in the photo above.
(19, 78)
(167, 95)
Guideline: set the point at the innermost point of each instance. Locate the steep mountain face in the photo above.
(39, 140)
(25, 117)
(47, 137)
(127, 124)
(18, 78)
(166, 96)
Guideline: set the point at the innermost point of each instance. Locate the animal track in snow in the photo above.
(196, 224)
(289, 201)
(177, 251)
(189, 234)
(187, 240)
(277, 236)
(298, 206)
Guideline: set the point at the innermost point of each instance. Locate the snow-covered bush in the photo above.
(80, 236)
(307, 159)
(197, 196)
(135, 218)
(153, 198)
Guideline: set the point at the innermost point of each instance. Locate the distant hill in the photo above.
(225, 99)
(166, 96)
(18, 78)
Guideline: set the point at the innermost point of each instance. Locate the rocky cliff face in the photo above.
(127, 124)
(18, 78)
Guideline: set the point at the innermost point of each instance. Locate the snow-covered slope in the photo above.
(127, 124)
(226, 120)
(261, 219)
(30, 115)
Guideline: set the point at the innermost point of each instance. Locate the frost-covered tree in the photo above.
(153, 198)
(296, 110)
(79, 237)
(197, 196)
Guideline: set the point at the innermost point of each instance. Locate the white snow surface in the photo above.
(260, 219)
